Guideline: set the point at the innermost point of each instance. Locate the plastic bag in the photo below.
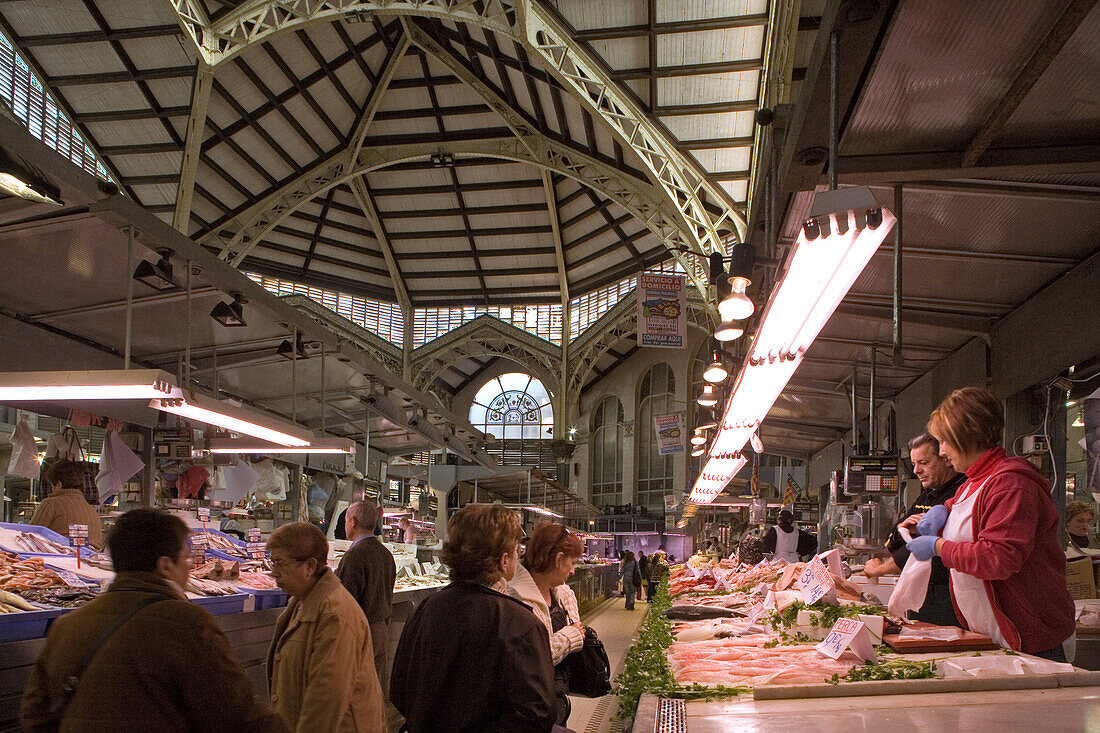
(272, 482)
(117, 465)
(24, 452)
(912, 586)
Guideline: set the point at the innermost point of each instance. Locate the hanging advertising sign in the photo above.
(670, 434)
(662, 310)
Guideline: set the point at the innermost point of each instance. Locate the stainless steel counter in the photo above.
(594, 583)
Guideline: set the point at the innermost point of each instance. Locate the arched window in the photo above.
(607, 452)
(654, 470)
(515, 408)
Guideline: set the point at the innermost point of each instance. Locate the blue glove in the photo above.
(933, 520)
(923, 547)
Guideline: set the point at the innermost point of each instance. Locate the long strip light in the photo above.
(234, 418)
(104, 384)
(250, 446)
(843, 232)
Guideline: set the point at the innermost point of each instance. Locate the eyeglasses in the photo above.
(283, 564)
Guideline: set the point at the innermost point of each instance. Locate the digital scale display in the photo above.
(871, 475)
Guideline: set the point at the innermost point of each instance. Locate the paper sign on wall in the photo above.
(848, 633)
(816, 582)
(670, 433)
(662, 310)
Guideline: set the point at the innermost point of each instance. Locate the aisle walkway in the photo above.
(617, 628)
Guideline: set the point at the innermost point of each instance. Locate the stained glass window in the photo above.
(513, 406)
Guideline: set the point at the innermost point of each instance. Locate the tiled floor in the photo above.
(616, 627)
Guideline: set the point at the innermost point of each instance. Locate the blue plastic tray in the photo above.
(45, 532)
(222, 605)
(266, 598)
(236, 541)
(27, 625)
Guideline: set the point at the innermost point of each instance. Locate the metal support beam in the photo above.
(370, 213)
(1048, 49)
(898, 357)
(192, 150)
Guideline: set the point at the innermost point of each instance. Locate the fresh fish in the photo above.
(697, 613)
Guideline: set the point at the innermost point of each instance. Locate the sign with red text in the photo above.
(848, 633)
(203, 513)
(253, 534)
(199, 543)
(256, 550)
(816, 582)
(78, 535)
(662, 310)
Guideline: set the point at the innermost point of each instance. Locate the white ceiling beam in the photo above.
(192, 149)
(370, 213)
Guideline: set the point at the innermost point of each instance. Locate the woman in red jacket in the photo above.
(999, 533)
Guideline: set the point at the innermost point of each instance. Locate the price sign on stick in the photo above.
(78, 537)
(203, 513)
(198, 546)
(816, 582)
(256, 550)
(848, 633)
(253, 534)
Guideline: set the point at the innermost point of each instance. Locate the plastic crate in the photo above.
(45, 532)
(266, 598)
(28, 624)
(222, 605)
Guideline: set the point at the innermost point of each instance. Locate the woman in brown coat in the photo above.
(321, 663)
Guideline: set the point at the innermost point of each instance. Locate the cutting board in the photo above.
(969, 641)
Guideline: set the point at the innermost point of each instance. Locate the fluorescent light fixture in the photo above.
(728, 331)
(834, 245)
(716, 371)
(387, 408)
(230, 315)
(422, 425)
(157, 276)
(543, 511)
(19, 180)
(236, 419)
(105, 384)
(251, 446)
(708, 398)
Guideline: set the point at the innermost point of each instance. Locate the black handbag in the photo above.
(589, 672)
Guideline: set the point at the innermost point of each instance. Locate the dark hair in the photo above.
(628, 556)
(364, 513)
(477, 537)
(970, 419)
(786, 513)
(302, 541)
(546, 542)
(69, 474)
(925, 439)
(141, 536)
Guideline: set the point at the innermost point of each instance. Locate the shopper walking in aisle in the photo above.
(367, 571)
(643, 570)
(320, 667)
(939, 482)
(539, 582)
(999, 533)
(472, 659)
(66, 503)
(630, 576)
(658, 571)
(141, 657)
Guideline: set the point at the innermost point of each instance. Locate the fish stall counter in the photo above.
(793, 647)
(594, 582)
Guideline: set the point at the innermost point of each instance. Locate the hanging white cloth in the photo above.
(233, 483)
(968, 591)
(24, 452)
(65, 444)
(117, 465)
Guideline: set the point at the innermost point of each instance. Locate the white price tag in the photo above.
(831, 558)
(73, 580)
(256, 550)
(848, 633)
(203, 513)
(816, 582)
(253, 534)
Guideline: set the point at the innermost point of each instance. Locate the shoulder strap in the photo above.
(68, 688)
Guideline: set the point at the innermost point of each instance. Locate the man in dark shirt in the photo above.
(368, 571)
(939, 480)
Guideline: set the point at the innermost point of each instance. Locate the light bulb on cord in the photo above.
(708, 398)
(728, 331)
(736, 306)
(698, 451)
(698, 439)
(716, 372)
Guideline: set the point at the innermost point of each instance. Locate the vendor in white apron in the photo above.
(787, 542)
(999, 535)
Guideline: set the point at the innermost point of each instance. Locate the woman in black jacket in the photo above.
(471, 658)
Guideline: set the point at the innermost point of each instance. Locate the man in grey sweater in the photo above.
(368, 571)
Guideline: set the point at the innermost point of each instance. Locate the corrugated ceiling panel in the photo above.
(676, 10)
(624, 53)
(942, 68)
(584, 14)
(710, 126)
(703, 47)
(708, 88)
(65, 16)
